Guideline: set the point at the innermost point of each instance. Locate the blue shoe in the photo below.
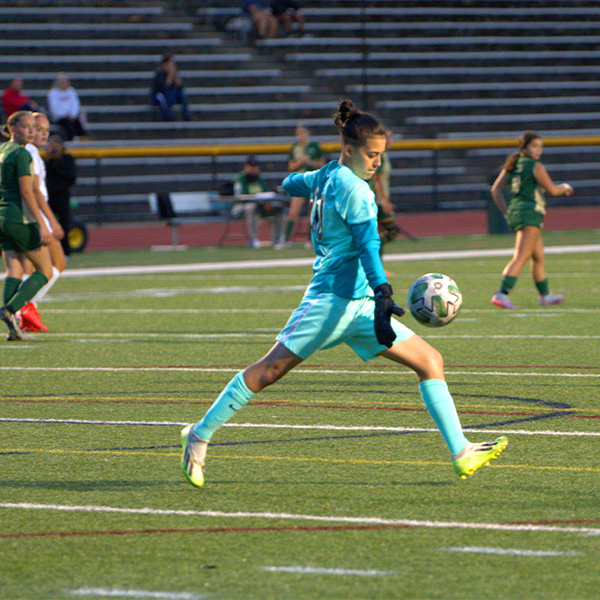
(194, 453)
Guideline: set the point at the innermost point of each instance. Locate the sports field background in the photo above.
(333, 483)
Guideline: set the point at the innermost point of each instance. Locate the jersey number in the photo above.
(316, 215)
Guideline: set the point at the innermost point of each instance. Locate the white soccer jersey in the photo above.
(39, 168)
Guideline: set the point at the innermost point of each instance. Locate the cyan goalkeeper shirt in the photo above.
(344, 234)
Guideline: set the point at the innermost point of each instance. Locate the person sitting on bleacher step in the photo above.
(168, 90)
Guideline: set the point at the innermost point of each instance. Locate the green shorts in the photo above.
(326, 320)
(517, 219)
(19, 237)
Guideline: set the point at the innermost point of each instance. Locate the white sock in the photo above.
(44, 290)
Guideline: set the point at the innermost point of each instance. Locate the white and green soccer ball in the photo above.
(434, 300)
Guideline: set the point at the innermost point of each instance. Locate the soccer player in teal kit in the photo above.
(347, 301)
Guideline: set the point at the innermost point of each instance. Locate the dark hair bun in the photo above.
(346, 109)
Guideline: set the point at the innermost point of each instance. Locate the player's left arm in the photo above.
(544, 180)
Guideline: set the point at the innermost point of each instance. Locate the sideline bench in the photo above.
(178, 208)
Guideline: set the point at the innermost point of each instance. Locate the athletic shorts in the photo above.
(517, 219)
(323, 321)
(19, 237)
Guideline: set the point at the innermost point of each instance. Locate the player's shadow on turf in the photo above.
(264, 482)
(85, 486)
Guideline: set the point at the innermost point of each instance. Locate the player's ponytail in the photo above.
(354, 125)
(524, 140)
(13, 121)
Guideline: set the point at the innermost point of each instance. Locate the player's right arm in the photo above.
(299, 184)
(57, 230)
(497, 189)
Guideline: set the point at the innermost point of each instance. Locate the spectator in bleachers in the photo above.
(304, 156)
(262, 17)
(13, 98)
(64, 109)
(168, 90)
(248, 183)
(60, 176)
(288, 12)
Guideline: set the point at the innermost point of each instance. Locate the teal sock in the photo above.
(234, 397)
(542, 286)
(440, 406)
(507, 284)
(11, 285)
(27, 291)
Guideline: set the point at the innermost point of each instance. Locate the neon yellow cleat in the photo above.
(194, 453)
(477, 455)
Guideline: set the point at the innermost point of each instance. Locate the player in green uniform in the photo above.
(380, 184)
(528, 180)
(22, 228)
(304, 156)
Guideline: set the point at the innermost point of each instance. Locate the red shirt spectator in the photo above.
(13, 100)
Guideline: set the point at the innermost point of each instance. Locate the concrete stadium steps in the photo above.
(434, 68)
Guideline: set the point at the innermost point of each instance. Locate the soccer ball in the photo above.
(434, 300)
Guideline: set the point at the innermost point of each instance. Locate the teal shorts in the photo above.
(19, 237)
(323, 321)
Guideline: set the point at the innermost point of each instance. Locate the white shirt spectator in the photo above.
(63, 103)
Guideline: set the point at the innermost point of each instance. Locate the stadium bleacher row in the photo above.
(431, 69)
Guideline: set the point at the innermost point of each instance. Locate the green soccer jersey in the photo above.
(312, 150)
(526, 194)
(249, 185)
(15, 162)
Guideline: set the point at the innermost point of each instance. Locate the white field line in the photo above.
(302, 427)
(116, 593)
(510, 552)
(197, 311)
(531, 527)
(300, 262)
(324, 571)
(449, 371)
(270, 332)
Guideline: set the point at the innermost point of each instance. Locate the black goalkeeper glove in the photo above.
(385, 307)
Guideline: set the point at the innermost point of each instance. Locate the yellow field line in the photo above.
(295, 459)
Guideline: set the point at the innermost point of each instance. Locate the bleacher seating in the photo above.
(432, 68)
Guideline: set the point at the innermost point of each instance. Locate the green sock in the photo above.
(27, 291)
(288, 231)
(507, 284)
(542, 286)
(234, 397)
(11, 285)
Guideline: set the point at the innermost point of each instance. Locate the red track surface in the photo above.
(136, 235)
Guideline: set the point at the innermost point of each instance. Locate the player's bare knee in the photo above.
(433, 365)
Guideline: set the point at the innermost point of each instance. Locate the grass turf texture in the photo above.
(168, 343)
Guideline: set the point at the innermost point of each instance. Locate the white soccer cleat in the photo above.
(550, 299)
(194, 454)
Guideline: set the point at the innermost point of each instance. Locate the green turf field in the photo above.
(332, 484)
